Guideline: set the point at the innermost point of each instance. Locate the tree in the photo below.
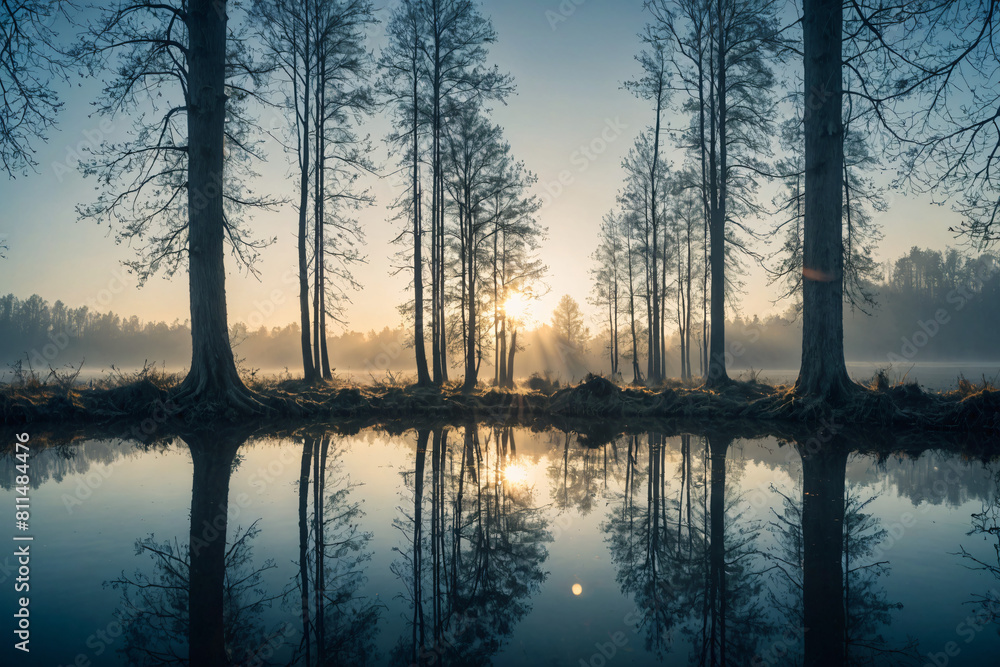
(342, 99)
(517, 271)
(571, 333)
(286, 33)
(403, 72)
(318, 50)
(28, 63)
(823, 372)
(455, 51)
(654, 86)
(685, 222)
(607, 274)
(487, 189)
(724, 52)
(476, 154)
(637, 203)
(179, 159)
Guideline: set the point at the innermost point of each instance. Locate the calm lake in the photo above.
(482, 545)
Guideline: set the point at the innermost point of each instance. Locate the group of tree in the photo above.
(179, 187)
(438, 83)
(873, 83)
(671, 240)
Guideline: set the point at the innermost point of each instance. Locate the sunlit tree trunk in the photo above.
(510, 359)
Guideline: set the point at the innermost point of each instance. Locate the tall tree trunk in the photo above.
(502, 346)
(823, 372)
(437, 222)
(437, 326)
(471, 368)
(324, 357)
(636, 373)
(213, 376)
(441, 278)
(680, 314)
(717, 374)
(708, 195)
(510, 359)
(663, 309)
(654, 324)
(687, 308)
(496, 298)
(423, 376)
(616, 356)
(302, 125)
(318, 193)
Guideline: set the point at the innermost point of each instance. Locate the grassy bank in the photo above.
(972, 407)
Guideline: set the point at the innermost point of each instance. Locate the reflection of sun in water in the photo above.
(516, 306)
(577, 589)
(515, 473)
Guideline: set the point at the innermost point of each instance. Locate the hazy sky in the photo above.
(568, 74)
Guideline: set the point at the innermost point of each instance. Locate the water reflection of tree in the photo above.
(577, 474)
(987, 524)
(202, 604)
(471, 566)
(827, 570)
(866, 603)
(338, 623)
(688, 556)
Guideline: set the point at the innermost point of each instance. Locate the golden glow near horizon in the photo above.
(577, 589)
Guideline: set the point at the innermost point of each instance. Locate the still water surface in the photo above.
(483, 545)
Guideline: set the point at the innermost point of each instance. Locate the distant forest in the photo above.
(929, 306)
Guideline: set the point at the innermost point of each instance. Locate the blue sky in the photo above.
(568, 59)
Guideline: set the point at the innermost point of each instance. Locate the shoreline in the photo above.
(971, 408)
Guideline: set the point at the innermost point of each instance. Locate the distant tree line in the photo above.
(929, 306)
